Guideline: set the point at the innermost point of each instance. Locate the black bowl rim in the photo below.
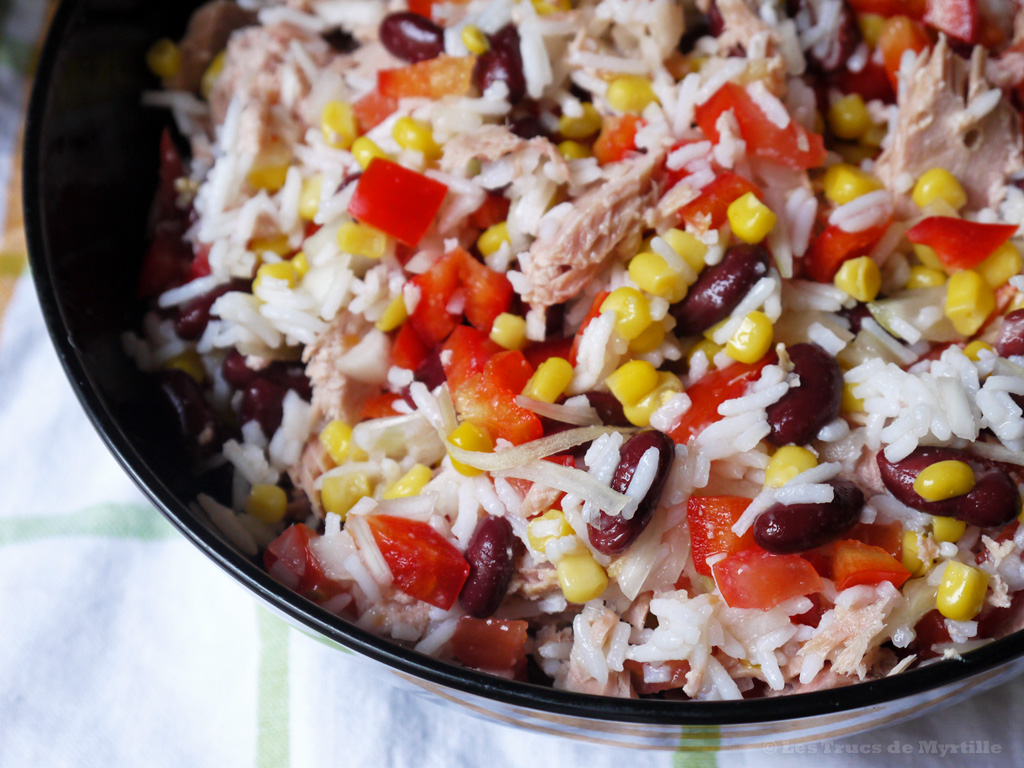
(537, 698)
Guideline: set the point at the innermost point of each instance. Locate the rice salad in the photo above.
(633, 347)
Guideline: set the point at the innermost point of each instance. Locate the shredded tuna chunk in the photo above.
(578, 676)
(313, 462)
(208, 32)
(533, 581)
(493, 142)
(336, 394)
(943, 122)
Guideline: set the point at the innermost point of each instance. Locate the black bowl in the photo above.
(90, 168)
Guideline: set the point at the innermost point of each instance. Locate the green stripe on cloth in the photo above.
(697, 747)
(127, 521)
(272, 741)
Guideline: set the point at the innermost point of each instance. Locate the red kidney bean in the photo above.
(608, 408)
(798, 416)
(841, 46)
(612, 534)
(489, 555)
(340, 40)
(235, 371)
(993, 502)
(288, 375)
(783, 530)
(719, 289)
(411, 37)
(502, 62)
(528, 127)
(716, 23)
(197, 422)
(262, 400)
(193, 316)
(1010, 340)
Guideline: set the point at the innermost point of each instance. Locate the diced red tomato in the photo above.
(396, 200)
(425, 7)
(431, 317)
(912, 8)
(754, 578)
(854, 562)
(960, 244)
(167, 262)
(493, 210)
(379, 406)
(430, 79)
(424, 564)
(494, 645)
(538, 352)
(711, 519)
(711, 391)
(677, 671)
(595, 311)
(709, 210)
(617, 138)
(793, 146)
(887, 536)
(833, 246)
(488, 293)
(408, 351)
(289, 559)
(373, 109)
(959, 19)
(899, 34)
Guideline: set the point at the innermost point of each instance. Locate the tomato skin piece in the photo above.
(711, 519)
(709, 211)
(289, 559)
(854, 562)
(425, 565)
(960, 19)
(960, 244)
(711, 391)
(617, 138)
(373, 109)
(397, 201)
(900, 33)
(493, 645)
(833, 246)
(754, 578)
(430, 79)
(793, 146)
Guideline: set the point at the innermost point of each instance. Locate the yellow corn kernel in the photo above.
(573, 150)
(944, 480)
(548, 7)
(364, 150)
(844, 182)
(309, 197)
(362, 240)
(630, 93)
(750, 219)
(639, 414)
(163, 58)
(649, 340)
(470, 437)
(860, 278)
(268, 177)
(912, 555)
(415, 135)
(543, 528)
(788, 462)
(581, 577)
(338, 124)
(633, 381)
(492, 238)
(925, 277)
(927, 256)
(1004, 263)
(339, 493)
(752, 339)
(709, 333)
(394, 315)
(409, 484)
(688, 246)
(277, 244)
(969, 301)
(938, 184)
(267, 503)
(550, 380)
(848, 117)
(336, 438)
(210, 75)
(280, 270)
(708, 347)
(475, 40)
(509, 331)
(870, 27)
(632, 310)
(651, 272)
(583, 126)
(300, 263)
(948, 528)
(972, 349)
(873, 137)
(850, 402)
(961, 591)
(188, 362)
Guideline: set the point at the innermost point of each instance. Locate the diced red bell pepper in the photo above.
(470, 351)
(899, 34)
(431, 318)
(488, 293)
(408, 351)
(711, 519)
(754, 578)
(833, 246)
(888, 536)
(379, 406)
(678, 670)
(960, 19)
(494, 645)
(373, 109)
(594, 312)
(912, 8)
(396, 200)
(710, 209)
(793, 146)
(430, 79)
(493, 210)
(854, 562)
(617, 138)
(960, 244)
(289, 559)
(425, 7)
(711, 391)
(425, 565)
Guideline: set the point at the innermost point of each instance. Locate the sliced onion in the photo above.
(996, 452)
(527, 452)
(633, 567)
(584, 417)
(369, 552)
(569, 480)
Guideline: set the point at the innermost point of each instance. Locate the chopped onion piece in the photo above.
(569, 480)
(369, 552)
(535, 449)
(585, 416)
